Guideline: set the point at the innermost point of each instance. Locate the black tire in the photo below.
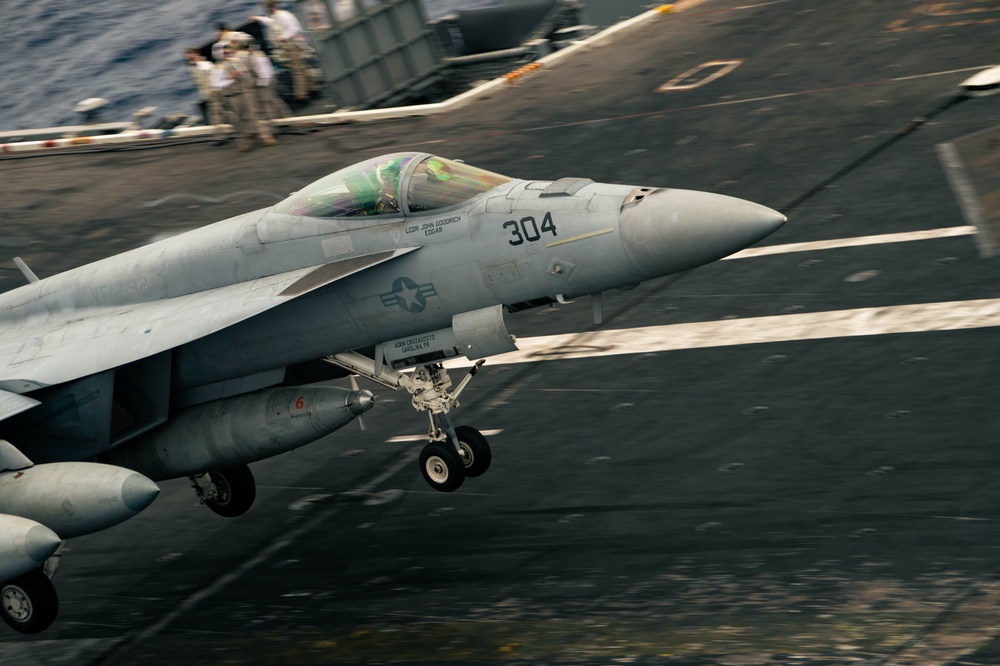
(476, 454)
(441, 467)
(237, 491)
(29, 603)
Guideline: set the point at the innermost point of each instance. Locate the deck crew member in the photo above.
(247, 80)
(269, 105)
(286, 37)
(200, 72)
(231, 79)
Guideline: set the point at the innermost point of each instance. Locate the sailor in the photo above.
(316, 17)
(287, 39)
(269, 105)
(232, 79)
(250, 86)
(221, 39)
(200, 71)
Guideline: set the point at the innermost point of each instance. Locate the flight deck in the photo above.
(785, 457)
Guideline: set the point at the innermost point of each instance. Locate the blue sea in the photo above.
(59, 52)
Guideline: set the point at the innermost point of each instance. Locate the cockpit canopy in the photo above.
(394, 184)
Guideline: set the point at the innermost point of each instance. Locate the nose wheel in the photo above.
(441, 467)
(453, 453)
(445, 466)
(474, 450)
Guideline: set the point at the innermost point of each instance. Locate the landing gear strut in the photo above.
(452, 453)
(227, 492)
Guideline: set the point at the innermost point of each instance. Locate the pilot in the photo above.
(387, 174)
(437, 170)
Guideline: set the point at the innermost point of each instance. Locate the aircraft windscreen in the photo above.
(372, 188)
(366, 188)
(439, 183)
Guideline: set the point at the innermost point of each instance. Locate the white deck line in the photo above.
(827, 325)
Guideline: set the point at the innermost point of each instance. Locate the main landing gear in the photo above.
(453, 453)
(228, 492)
(28, 603)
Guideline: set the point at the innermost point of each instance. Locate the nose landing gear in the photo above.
(453, 453)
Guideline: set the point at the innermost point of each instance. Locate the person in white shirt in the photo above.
(248, 81)
(286, 37)
(269, 104)
(234, 82)
(221, 39)
(200, 71)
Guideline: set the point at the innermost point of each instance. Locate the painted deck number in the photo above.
(528, 229)
(300, 402)
(700, 75)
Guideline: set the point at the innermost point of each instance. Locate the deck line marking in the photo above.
(400, 439)
(884, 320)
(856, 241)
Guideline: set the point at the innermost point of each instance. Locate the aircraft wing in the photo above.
(73, 344)
(12, 403)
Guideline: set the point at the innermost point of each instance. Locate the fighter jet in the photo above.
(198, 354)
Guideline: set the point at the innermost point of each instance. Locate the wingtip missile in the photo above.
(75, 498)
(24, 545)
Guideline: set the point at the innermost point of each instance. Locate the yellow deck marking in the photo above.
(935, 15)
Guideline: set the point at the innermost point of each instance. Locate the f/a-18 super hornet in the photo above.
(196, 355)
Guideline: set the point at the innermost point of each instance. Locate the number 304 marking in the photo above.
(528, 229)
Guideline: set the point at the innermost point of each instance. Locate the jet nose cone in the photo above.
(675, 230)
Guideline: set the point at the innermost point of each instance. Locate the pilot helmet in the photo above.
(387, 173)
(437, 170)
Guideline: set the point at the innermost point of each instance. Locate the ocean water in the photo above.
(131, 52)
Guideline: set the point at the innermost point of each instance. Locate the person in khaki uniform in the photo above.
(269, 104)
(200, 71)
(249, 83)
(286, 37)
(235, 83)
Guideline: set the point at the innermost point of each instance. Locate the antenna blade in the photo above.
(25, 271)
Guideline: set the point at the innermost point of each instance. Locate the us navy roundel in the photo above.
(409, 295)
